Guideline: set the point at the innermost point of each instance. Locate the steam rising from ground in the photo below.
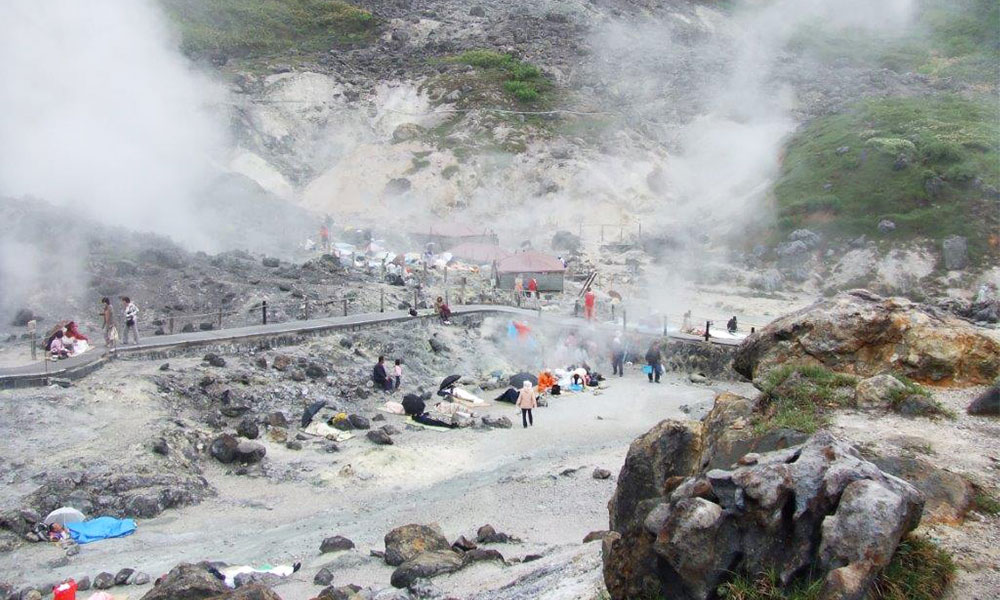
(99, 113)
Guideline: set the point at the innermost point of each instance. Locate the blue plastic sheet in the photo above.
(101, 528)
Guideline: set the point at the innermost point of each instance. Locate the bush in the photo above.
(799, 397)
(521, 80)
(521, 90)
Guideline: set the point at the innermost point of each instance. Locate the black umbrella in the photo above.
(508, 396)
(413, 405)
(518, 380)
(310, 412)
(449, 381)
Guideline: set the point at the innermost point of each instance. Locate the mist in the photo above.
(101, 114)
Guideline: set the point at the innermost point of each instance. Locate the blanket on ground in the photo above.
(101, 528)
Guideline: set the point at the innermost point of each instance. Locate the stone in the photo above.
(878, 391)
(463, 544)
(700, 527)
(865, 334)
(189, 582)
(248, 428)
(482, 555)
(281, 362)
(165, 366)
(425, 565)
(293, 445)
(987, 403)
(477, 11)
(343, 424)
(140, 578)
(771, 280)
(104, 581)
(83, 583)
(278, 435)
(955, 252)
(600, 473)
(948, 496)
(260, 362)
(250, 590)
(406, 131)
(808, 237)
(335, 544)
(248, 452)
(344, 592)
(390, 429)
(378, 417)
(161, 447)
(359, 422)
(214, 360)
(497, 422)
(297, 375)
(271, 262)
(595, 536)
(277, 419)
(886, 226)
(437, 346)
(122, 577)
(397, 186)
(380, 437)
(488, 535)
(406, 542)
(323, 577)
(916, 405)
(224, 448)
(315, 371)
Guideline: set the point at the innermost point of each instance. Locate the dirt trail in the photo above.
(459, 479)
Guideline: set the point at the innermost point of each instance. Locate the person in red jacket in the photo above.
(533, 287)
(589, 304)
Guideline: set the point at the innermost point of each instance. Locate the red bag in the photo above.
(65, 591)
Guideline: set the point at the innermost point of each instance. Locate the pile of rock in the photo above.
(679, 531)
(422, 551)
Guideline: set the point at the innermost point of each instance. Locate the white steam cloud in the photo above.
(99, 113)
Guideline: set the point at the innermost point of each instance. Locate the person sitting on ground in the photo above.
(380, 377)
(57, 347)
(527, 400)
(731, 325)
(545, 381)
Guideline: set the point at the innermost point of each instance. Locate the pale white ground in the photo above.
(459, 479)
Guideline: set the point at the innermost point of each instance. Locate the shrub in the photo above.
(522, 90)
(799, 397)
(521, 80)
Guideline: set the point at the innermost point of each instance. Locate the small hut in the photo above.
(546, 269)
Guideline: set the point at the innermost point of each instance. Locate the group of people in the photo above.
(383, 379)
(528, 289)
(130, 313)
(442, 310)
(653, 357)
(65, 340)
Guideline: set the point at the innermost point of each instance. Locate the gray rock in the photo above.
(425, 565)
(390, 430)
(600, 473)
(248, 428)
(955, 251)
(477, 11)
(463, 544)
(293, 445)
(214, 360)
(595, 536)
(140, 578)
(122, 577)
(482, 555)
(335, 544)
(104, 581)
(886, 226)
(380, 437)
(323, 577)
(187, 581)
(878, 391)
(315, 371)
(810, 238)
(769, 281)
(359, 422)
(224, 448)
(497, 422)
(248, 452)
(83, 583)
(271, 262)
(987, 403)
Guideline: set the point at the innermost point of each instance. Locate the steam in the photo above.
(101, 115)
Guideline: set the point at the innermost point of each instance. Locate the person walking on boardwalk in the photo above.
(131, 320)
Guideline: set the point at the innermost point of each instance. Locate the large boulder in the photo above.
(253, 591)
(403, 543)
(656, 462)
(948, 496)
(987, 403)
(955, 253)
(426, 565)
(729, 433)
(864, 334)
(187, 582)
(815, 506)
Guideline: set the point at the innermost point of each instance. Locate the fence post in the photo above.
(624, 320)
(170, 324)
(612, 312)
(576, 308)
(602, 233)
(462, 299)
(220, 318)
(307, 310)
(640, 231)
(447, 298)
(416, 298)
(263, 312)
(381, 301)
(707, 334)
(665, 334)
(345, 307)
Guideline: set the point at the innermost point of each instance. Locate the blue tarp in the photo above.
(100, 528)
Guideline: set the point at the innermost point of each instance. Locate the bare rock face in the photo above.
(406, 542)
(878, 391)
(817, 505)
(187, 581)
(864, 334)
(987, 403)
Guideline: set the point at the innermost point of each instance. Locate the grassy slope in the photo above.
(954, 138)
(255, 28)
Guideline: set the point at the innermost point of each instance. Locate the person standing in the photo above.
(654, 361)
(131, 320)
(108, 315)
(617, 358)
(518, 286)
(533, 287)
(397, 371)
(589, 304)
(527, 400)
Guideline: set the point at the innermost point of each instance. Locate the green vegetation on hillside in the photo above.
(252, 28)
(924, 163)
(799, 397)
(919, 570)
(523, 81)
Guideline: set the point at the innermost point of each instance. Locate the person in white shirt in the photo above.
(131, 320)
